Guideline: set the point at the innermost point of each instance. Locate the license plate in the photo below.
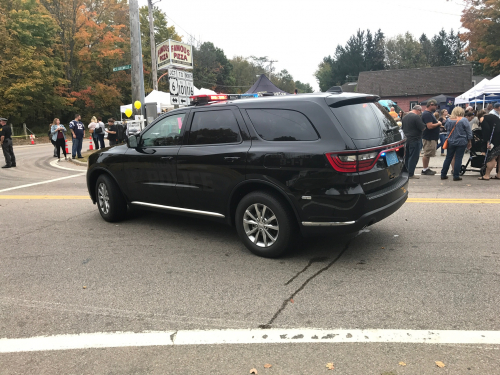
(391, 158)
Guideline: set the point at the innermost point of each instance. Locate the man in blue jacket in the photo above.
(78, 131)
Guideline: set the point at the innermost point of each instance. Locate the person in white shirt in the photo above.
(496, 110)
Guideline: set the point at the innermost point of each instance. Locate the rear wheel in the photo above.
(265, 224)
(483, 170)
(112, 206)
(462, 170)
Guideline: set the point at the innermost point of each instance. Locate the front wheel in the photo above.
(265, 224)
(112, 206)
(463, 169)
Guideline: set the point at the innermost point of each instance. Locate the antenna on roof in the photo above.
(335, 89)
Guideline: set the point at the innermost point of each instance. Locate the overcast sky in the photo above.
(300, 33)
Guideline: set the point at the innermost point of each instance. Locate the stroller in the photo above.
(476, 160)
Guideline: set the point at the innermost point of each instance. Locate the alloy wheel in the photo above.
(103, 198)
(261, 225)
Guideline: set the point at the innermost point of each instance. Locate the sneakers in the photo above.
(457, 178)
(414, 177)
(444, 177)
(7, 166)
(428, 172)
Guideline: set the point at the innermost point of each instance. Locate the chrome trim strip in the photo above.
(326, 224)
(207, 213)
(371, 182)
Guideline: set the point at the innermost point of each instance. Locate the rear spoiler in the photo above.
(335, 102)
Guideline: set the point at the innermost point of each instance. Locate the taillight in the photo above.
(353, 163)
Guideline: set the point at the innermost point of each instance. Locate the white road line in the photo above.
(245, 336)
(55, 163)
(40, 183)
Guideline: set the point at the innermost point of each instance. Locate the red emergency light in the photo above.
(199, 99)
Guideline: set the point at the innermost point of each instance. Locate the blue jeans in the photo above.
(100, 137)
(458, 152)
(412, 155)
(76, 148)
(442, 138)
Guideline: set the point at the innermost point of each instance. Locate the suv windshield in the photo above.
(363, 120)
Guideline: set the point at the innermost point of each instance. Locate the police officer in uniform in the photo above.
(6, 141)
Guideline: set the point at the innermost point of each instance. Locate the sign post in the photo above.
(124, 67)
(181, 86)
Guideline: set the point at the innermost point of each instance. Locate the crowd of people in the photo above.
(428, 130)
(97, 130)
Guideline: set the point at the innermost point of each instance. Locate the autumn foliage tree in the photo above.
(31, 79)
(481, 18)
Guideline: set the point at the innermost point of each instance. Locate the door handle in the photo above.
(231, 158)
(167, 158)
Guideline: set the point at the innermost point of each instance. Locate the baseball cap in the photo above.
(3, 119)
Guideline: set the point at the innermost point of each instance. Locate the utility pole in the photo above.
(271, 66)
(136, 52)
(153, 45)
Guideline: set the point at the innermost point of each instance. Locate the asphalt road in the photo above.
(432, 266)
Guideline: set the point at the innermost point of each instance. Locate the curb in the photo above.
(71, 160)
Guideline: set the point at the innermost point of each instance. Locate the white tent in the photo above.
(492, 87)
(163, 99)
(472, 93)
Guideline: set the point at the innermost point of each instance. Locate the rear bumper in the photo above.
(309, 228)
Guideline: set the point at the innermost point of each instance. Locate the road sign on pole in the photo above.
(181, 86)
(124, 67)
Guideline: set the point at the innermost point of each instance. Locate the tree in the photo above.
(303, 87)
(162, 32)
(284, 81)
(94, 37)
(324, 74)
(31, 79)
(245, 73)
(212, 69)
(426, 49)
(404, 52)
(482, 20)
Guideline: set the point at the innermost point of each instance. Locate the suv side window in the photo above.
(165, 132)
(214, 127)
(282, 125)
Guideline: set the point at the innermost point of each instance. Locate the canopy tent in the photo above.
(265, 86)
(491, 87)
(162, 99)
(443, 101)
(472, 93)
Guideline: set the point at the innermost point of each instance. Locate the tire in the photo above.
(482, 171)
(462, 170)
(116, 207)
(277, 222)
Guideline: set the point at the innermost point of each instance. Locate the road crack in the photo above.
(300, 288)
(313, 260)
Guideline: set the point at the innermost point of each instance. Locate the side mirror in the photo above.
(132, 141)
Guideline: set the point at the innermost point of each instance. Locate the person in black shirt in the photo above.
(430, 136)
(413, 128)
(6, 141)
(112, 130)
(490, 125)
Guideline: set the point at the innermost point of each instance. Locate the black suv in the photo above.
(273, 167)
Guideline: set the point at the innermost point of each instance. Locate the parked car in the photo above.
(273, 167)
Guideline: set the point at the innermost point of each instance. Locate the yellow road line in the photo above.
(44, 197)
(454, 200)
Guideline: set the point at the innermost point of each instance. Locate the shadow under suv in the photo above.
(273, 167)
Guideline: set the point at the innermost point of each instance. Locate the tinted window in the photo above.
(213, 127)
(359, 120)
(282, 125)
(384, 117)
(165, 132)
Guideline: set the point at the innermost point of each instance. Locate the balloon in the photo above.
(137, 104)
(128, 112)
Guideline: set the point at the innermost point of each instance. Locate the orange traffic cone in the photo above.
(91, 146)
(32, 139)
(67, 151)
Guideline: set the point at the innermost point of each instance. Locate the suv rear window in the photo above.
(364, 120)
(282, 125)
